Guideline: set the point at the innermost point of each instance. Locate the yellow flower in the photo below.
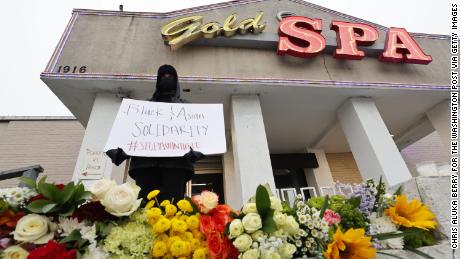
(153, 213)
(411, 214)
(152, 194)
(352, 244)
(193, 222)
(184, 205)
(171, 240)
(164, 203)
(194, 244)
(179, 248)
(198, 235)
(170, 210)
(159, 248)
(179, 226)
(200, 253)
(168, 256)
(162, 237)
(162, 225)
(188, 236)
(150, 204)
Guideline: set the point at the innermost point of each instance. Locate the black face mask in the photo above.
(167, 85)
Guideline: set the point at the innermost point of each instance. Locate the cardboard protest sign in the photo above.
(155, 129)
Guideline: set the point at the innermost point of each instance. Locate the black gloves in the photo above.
(194, 156)
(117, 156)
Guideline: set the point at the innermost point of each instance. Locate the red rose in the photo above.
(92, 211)
(215, 244)
(52, 250)
(220, 220)
(206, 224)
(223, 208)
(229, 251)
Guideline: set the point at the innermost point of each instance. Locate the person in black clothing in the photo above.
(167, 174)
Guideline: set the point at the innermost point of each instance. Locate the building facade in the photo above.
(282, 98)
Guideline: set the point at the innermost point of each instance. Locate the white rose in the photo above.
(279, 218)
(287, 250)
(249, 208)
(291, 226)
(276, 204)
(207, 201)
(243, 242)
(269, 254)
(257, 235)
(122, 200)
(35, 229)
(15, 252)
(252, 222)
(236, 228)
(101, 187)
(251, 254)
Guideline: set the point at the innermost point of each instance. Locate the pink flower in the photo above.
(331, 217)
(206, 201)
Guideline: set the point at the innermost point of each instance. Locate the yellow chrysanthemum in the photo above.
(198, 235)
(162, 238)
(179, 226)
(153, 194)
(184, 205)
(352, 244)
(411, 214)
(150, 204)
(162, 225)
(194, 244)
(200, 253)
(159, 248)
(188, 236)
(154, 213)
(164, 203)
(193, 222)
(168, 256)
(170, 210)
(180, 248)
(171, 240)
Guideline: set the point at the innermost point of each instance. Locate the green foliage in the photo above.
(264, 209)
(416, 237)
(351, 217)
(3, 205)
(56, 201)
(74, 240)
(325, 206)
(335, 202)
(381, 190)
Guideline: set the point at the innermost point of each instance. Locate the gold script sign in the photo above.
(184, 30)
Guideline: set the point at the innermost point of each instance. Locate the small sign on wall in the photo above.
(94, 166)
(156, 129)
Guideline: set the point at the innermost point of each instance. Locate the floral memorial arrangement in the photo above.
(110, 221)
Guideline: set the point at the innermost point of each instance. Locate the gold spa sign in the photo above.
(184, 30)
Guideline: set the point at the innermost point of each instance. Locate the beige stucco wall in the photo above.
(53, 144)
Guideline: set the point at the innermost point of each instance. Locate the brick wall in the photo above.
(343, 167)
(54, 144)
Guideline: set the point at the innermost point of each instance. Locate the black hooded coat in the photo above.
(185, 162)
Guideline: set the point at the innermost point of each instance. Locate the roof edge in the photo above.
(35, 118)
(171, 14)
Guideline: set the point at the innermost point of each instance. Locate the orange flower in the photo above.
(411, 214)
(9, 218)
(352, 244)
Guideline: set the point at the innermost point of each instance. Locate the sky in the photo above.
(31, 29)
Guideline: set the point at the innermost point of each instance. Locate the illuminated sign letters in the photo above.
(184, 30)
(300, 36)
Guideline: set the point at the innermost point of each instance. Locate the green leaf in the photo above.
(418, 252)
(355, 201)
(325, 206)
(227, 229)
(66, 209)
(49, 207)
(390, 235)
(399, 190)
(50, 191)
(73, 236)
(29, 182)
(66, 193)
(268, 224)
(37, 206)
(388, 254)
(262, 201)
